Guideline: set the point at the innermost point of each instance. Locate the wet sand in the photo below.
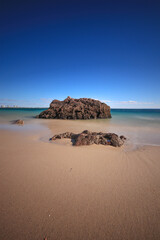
(74, 193)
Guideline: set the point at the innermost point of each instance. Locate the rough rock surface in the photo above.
(88, 138)
(19, 122)
(71, 108)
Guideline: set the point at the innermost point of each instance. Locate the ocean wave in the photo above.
(146, 118)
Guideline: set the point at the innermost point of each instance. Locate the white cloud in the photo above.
(7, 100)
(46, 100)
(106, 101)
(34, 102)
(127, 102)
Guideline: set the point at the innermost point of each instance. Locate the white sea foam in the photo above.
(145, 118)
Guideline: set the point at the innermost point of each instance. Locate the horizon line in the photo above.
(48, 107)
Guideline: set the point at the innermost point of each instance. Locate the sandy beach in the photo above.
(79, 120)
(58, 191)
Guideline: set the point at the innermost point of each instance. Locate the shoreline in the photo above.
(46, 128)
(136, 135)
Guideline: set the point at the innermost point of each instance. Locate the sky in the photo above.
(102, 49)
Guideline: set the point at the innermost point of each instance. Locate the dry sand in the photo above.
(62, 192)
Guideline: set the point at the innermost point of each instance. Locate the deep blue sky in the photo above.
(107, 50)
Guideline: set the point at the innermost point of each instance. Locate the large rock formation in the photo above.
(71, 108)
(88, 138)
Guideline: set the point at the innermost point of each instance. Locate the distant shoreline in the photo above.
(111, 108)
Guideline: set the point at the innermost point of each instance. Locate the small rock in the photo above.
(123, 137)
(19, 122)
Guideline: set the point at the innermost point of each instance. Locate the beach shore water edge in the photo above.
(89, 192)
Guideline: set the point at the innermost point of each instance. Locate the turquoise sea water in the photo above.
(140, 125)
(148, 115)
(137, 117)
(16, 113)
